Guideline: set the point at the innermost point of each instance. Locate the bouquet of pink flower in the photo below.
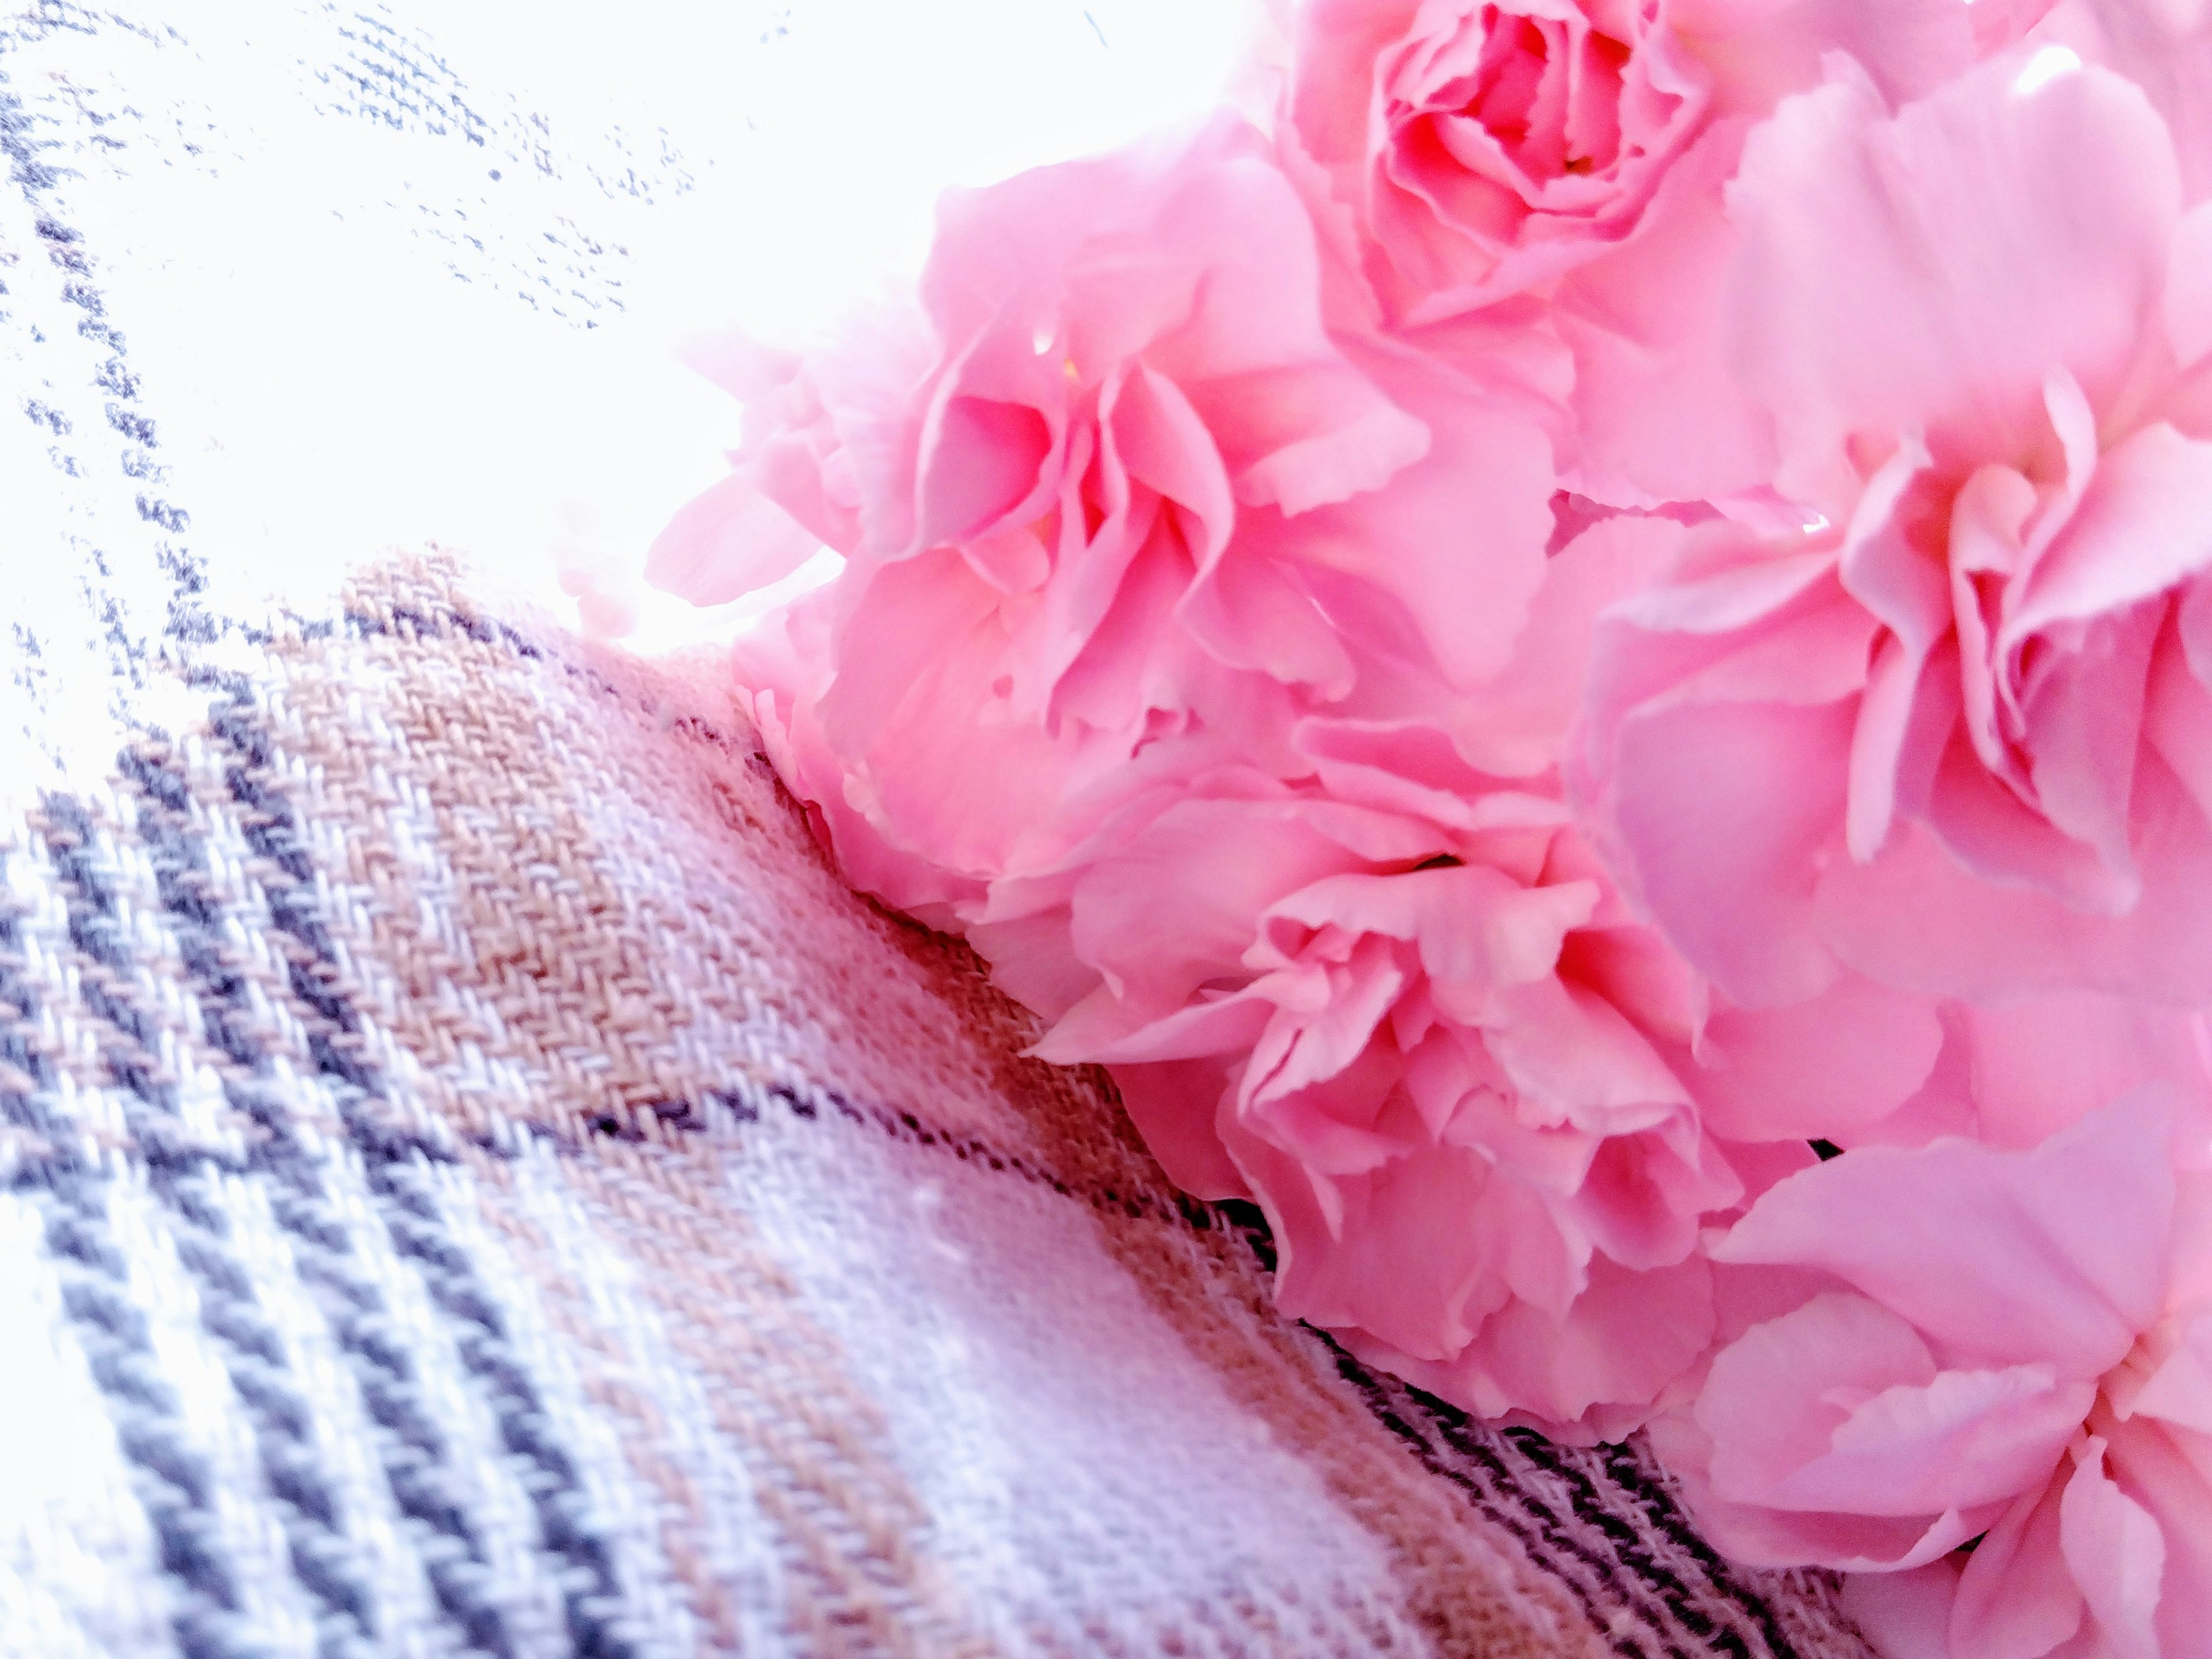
(1580, 649)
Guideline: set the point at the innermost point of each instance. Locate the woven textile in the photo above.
(473, 1182)
(478, 1183)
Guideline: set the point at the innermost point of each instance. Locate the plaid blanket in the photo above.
(473, 1182)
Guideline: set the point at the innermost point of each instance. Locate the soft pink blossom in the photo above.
(1425, 1044)
(2008, 1348)
(1115, 482)
(1488, 145)
(1462, 152)
(1400, 1007)
(1957, 735)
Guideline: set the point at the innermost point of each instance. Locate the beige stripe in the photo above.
(606, 1364)
(854, 1529)
(632, 906)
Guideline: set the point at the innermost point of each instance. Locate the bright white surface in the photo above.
(328, 382)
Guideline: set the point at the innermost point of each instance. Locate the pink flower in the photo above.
(1574, 152)
(1958, 737)
(1117, 482)
(1488, 145)
(1424, 1042)
(1400, 1006)
(2007, 1346)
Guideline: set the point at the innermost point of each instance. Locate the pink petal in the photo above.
(2041, 1063)
(2165, 46)
(1574, 1059)
(981, 458)
(1592, 1373)
(1766, 48)
(1404, 1262)
(1918, 918)
(1524, 714)
(728, 541)
(1812, 1070)
(1173, 1105)
(1217, 867)
(1462, 582)
(1965, 1439)
(1756, 1536)
(1930, 271)
(1722, 811)
(1938, 1234)
(1905, 1615)
(1475, 926)
(746, 368)
(2188, 302)
(1765, 1399)
(1660, 416)
(2144, 525)
(2163, 1470)
(2015, 1595)
(2116, 1553)
(2179, 1391)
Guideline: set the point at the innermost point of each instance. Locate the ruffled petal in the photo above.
(1940, 1235)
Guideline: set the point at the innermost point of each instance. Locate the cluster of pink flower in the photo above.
(1580, 648)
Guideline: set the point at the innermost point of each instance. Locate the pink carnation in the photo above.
(1574, 152)
(1488, 145)
(1116, 482)
(1426, 1043)
(2010, 1348)
(1958, 736)
(1401, 1007)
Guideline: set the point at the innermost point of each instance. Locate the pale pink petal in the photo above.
(728, 541)
(2016, 1597)
(2144, 525)
(1404, 1261)
(2167, 1471)
(2179, 1391)
(1334, 90)
(982, 459)
(2177, 713)
(1417, 542)
(1938, 1234)
(1906, 1615)
(1474, 925)
(1573, 1058)
(1522, 715)
(1216, 866)
(1929, 271)
(1763, 49)
(1965, 1439)
(1591, 1375)
(747, 368)
(1032, 961)
(2187, 305)
(1919, 919)
(2116, 1553)
(1720, 812)
(1816, 1069)
(2165, 46)
(1106, 1029)
(2040, 1063)
(1660, 416)
(1767, 1399)
(2084, 723)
